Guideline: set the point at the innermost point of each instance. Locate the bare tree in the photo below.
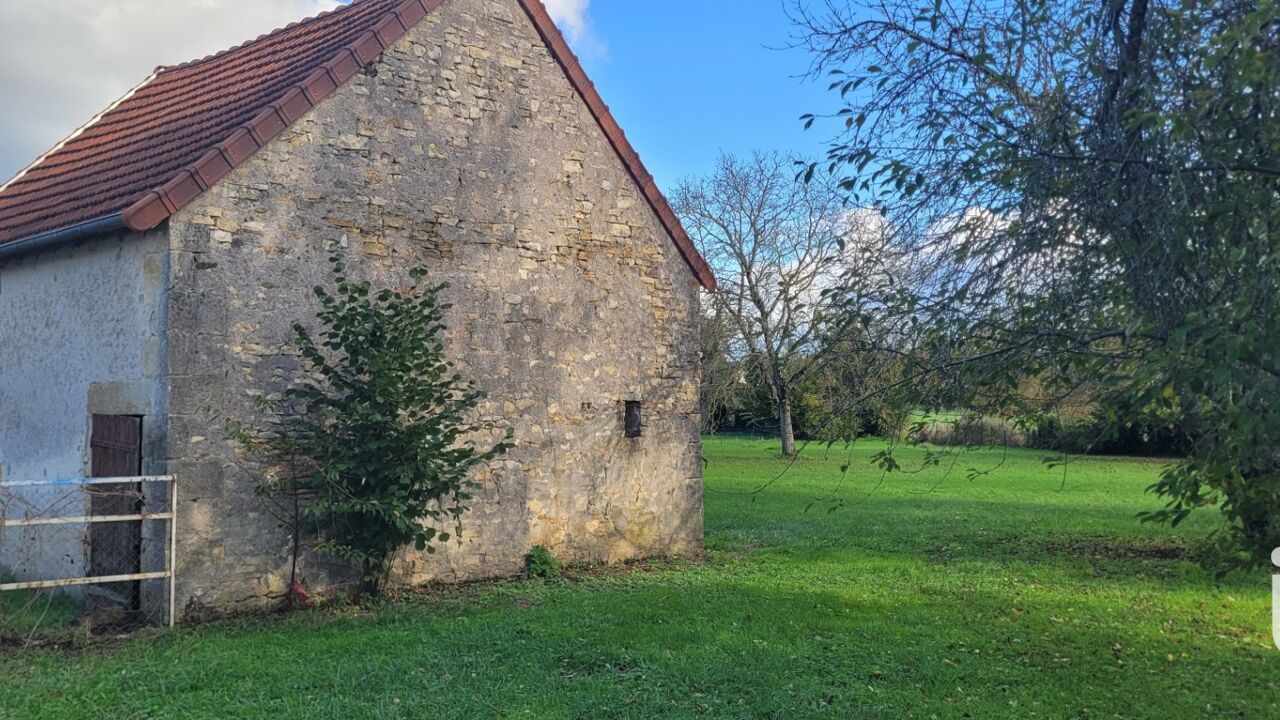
(776, 245)
(722, 378)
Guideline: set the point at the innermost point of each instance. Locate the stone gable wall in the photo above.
(465, 149)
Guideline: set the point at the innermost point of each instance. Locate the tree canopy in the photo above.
(1097, 187)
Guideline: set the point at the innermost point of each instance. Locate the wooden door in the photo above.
(115, 446)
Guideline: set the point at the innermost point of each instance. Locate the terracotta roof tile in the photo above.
(188, 125)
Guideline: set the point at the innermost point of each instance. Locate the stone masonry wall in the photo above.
(465, 149)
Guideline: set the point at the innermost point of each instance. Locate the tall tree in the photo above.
(1101, 181)
(776, 245)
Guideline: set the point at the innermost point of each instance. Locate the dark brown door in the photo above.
(115, 446)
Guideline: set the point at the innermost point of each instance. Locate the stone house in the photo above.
(151, 266)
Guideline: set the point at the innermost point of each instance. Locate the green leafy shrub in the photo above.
(1089, 435)
(540, 563)
(375, 438)
(1108, 436)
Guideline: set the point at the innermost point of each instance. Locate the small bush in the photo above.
(539, 562)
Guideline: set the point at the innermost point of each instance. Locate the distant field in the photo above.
(1025, 593)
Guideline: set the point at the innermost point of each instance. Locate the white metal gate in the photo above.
(34, 518)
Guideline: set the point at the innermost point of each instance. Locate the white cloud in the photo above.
(63, 61)
(572, 18)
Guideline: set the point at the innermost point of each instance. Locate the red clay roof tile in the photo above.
(188, 125)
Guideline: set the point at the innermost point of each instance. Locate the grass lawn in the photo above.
(1020, 594)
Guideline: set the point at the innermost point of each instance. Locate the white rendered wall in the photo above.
(81, 332)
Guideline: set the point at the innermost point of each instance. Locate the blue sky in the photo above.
(685, 78)
(689, 78)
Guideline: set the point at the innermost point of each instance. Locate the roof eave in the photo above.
(53, 239)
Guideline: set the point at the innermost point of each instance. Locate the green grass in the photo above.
(25, 613)
(1020, 594)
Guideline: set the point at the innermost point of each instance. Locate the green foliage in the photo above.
(540, 563)
(1098, 185)
(1088, 435)
(820, 408)
(823, 410)
(377, 436)
(1016, 595)
(1099, 435)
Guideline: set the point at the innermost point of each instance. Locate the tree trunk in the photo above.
(371, 581)
(784, 427)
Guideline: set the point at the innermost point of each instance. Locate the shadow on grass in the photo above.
(711, 644)
(1104, 541)
(985, 603)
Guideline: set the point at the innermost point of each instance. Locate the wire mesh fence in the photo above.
(86, 555)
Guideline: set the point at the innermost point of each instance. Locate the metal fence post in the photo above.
(173, 551)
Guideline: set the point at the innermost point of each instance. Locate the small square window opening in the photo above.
(634, 426)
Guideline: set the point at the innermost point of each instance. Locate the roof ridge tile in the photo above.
(267, 35)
